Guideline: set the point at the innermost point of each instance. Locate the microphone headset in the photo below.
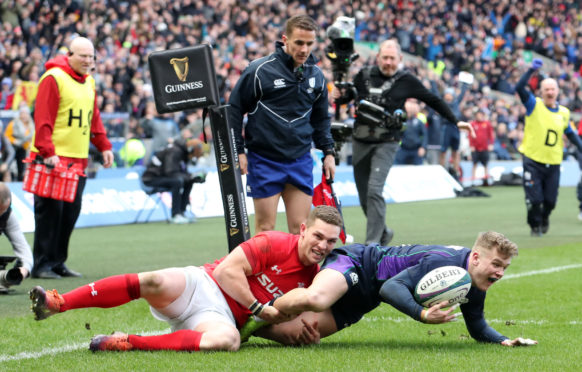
(299, 74)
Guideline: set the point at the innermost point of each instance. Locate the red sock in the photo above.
(183, 340)
(109, 292)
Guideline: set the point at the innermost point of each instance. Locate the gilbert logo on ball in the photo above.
(447, 283)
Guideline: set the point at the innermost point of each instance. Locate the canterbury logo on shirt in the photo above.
(354, 278)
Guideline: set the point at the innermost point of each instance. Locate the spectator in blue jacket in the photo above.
(285, 98)
(414, 138)
(451, 138)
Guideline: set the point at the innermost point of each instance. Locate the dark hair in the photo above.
(301, 21)
(325, 213)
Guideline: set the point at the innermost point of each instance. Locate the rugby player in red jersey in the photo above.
(205, 306)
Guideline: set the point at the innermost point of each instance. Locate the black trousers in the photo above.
(19, 155)
(540, 183)
(180, 187)
(55, 221)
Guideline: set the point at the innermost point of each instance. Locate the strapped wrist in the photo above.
(423, 315)
(256, 308)
(330, 151)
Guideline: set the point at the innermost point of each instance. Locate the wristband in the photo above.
(423, 316)
(256, 307)
(258, 310)
(330, 151)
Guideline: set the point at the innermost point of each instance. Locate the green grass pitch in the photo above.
(539, 298)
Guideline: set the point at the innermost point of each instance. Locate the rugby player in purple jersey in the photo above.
(355, 279)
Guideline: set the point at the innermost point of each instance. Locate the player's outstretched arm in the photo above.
(328, 286)
(397, 291)
(519, 342)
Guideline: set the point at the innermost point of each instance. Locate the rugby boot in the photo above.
(45, 303)
(117, 341)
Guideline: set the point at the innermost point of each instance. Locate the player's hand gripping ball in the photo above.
(447, 283)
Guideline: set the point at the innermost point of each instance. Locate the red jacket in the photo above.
(484, 135)
(46, 109)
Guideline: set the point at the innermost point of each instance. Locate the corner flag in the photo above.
(323, 194)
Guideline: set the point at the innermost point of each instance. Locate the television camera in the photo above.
(341, 50)
(375, 116)
(341, 54)
(8, 277)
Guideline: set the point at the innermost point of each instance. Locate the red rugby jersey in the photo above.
(276, 269)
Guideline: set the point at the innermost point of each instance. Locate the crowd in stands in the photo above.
(492, 39)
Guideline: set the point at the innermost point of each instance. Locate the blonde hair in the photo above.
(490, 240)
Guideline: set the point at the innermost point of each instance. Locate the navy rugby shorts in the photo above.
(361, 296)
(267, 177)
(450, 138)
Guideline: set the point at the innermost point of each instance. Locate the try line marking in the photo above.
(543, 271)
(85, 345)
(42, 353)
(62, 349)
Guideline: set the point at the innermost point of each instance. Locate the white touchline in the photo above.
(543, 271)
(73, 347)
(62, 349)
(39, 354)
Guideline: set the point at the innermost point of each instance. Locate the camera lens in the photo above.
(10, 277)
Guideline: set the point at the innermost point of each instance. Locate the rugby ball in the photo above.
(446, 283)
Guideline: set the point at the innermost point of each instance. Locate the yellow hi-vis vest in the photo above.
(72, 130)
(543, 134)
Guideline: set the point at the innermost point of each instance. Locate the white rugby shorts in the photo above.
(202, 301)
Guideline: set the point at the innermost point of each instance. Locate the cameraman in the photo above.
(10, 227)
(374, 148)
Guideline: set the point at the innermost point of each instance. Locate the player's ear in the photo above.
(475, 257)
(70, 53)
(302, 229)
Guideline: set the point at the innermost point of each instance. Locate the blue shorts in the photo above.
(450, 138)
(267, 177)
